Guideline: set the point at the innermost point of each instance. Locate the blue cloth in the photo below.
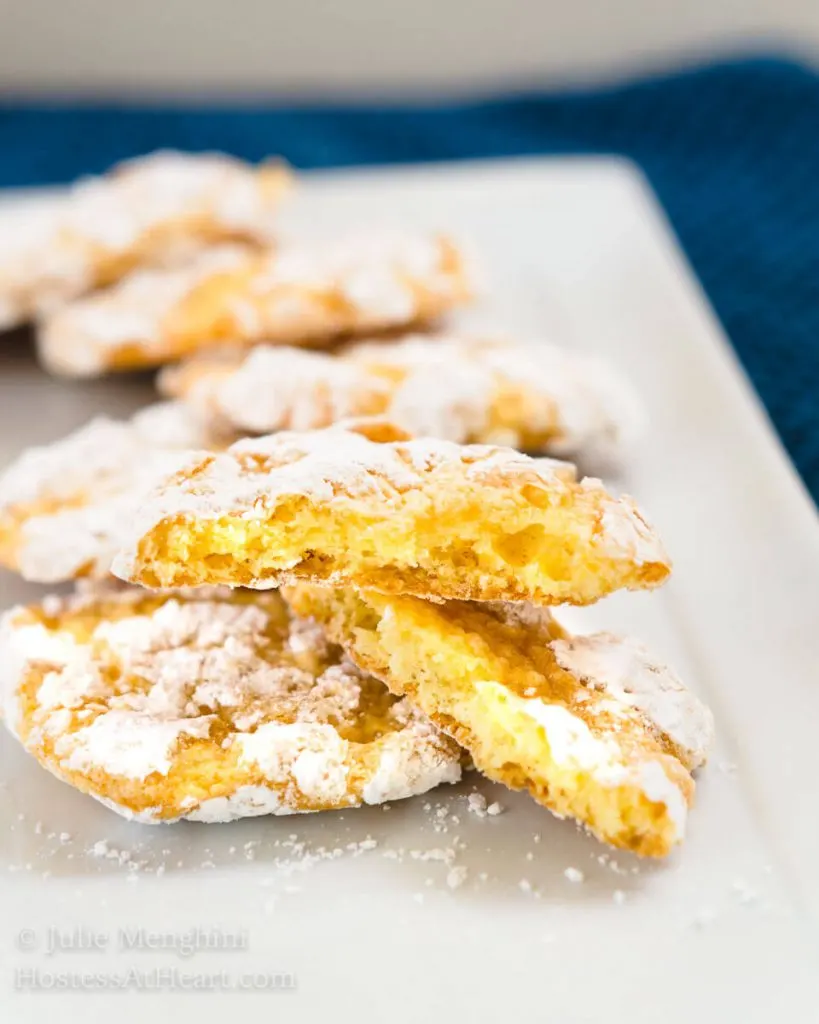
(731, 149)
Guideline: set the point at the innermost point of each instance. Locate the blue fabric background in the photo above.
(732, 150)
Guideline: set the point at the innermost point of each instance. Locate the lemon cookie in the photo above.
(63, 506)
(363, 505)
(208, 706)
(535, 396)
(157, 209)
(592, 726)
(297, 294)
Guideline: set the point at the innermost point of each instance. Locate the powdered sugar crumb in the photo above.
(476, 803)
(456, 877)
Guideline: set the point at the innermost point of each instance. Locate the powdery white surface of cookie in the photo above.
(624, 531)
(38, 267)
(22, 646)
(246, 802)
(34, 271)
(438, 401)
(128, 746)
(277, 386)
(374, 273)
(196, 658)
(403, 773)
(116, 210)
(62, 689)
(82, 337)
(593, 406)
(89, 455)
(149, 816)
(313, 754)
(625, 670)
(170, 425)
(571, 742)
(450, 381)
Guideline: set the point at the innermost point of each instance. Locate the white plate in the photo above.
(576, 251)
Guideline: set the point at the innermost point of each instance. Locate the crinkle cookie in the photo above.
(208, 706)
(158, 209)
(293, 295)
(362, 505)
(64, 506)
(535, 397)
(592, 726)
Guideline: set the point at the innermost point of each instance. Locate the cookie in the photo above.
(296, 295)
(64, 506)
(362, 505)
(158, 209)
(208, 706)
(535, 397)
(592, 726)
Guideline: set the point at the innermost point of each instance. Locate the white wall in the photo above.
(316, 46)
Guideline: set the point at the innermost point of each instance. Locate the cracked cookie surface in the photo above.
(208, 705)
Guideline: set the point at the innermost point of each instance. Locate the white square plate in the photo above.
(575, 251)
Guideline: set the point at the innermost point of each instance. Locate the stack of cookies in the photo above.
(321, 573)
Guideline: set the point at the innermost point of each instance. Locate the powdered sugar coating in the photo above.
(64, 506)
(158, 209)
(625, 670)
(172, 425)
(276, 388)
(178, 706)
(295, 294)
(232, 197)
(448, 385)
(36, 271)
(458, 388)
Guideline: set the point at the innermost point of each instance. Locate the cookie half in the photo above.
(208, 706)
(592, 726)
(362, 505)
